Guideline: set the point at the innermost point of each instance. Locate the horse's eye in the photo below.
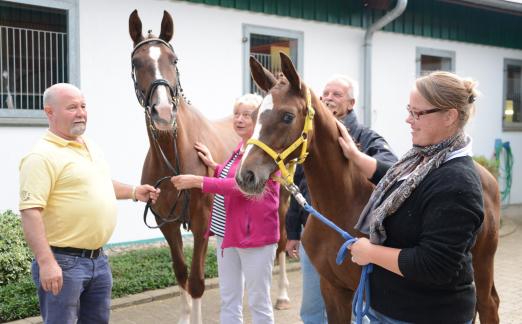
(175, 61)
(288, 117)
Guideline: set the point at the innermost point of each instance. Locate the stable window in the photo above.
(35, 53)
(429, 60)
(265, 44)
(511, 105)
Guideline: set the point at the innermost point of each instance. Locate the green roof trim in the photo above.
(426, 18)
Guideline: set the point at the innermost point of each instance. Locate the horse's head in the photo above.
(280, 125)
(154, 71)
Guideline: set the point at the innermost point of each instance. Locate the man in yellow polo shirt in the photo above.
(68, 207)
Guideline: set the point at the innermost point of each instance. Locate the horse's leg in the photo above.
(338, 302)
(487, 296)
(196, 281)
(283, 301)
(172, 234)
(483, 251)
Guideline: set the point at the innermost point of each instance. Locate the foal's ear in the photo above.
(167, 27)
(289, 71)
(135, 27)
(263, 78)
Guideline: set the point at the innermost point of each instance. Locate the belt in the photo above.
(84, 253)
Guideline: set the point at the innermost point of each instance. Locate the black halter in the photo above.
(144, 100)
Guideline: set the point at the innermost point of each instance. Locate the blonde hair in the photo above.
(446, 91)
(250, 99)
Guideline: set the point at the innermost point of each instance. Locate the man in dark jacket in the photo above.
(338, 96)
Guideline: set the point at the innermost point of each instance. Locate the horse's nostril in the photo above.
(249, 177)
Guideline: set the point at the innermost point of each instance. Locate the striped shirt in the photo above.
(217, 224)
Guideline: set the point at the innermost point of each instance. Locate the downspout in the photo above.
(368, 37)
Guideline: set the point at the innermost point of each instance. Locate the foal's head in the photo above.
(155, 73)
(280, 122)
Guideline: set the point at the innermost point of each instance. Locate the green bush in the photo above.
(133, 272)
(18, 300)
(15, 255)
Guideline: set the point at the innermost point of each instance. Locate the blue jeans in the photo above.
(378, 318)
(85, 295)
(312, 310)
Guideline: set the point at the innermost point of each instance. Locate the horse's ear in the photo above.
(289, 71)
(262, 77)
(135, 27)
(167, 27)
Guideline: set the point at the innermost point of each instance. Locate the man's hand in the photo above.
(346, 142)
(51, 277)
(292, 248)
(146, 192)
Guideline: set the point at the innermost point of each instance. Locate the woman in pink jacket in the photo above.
(246, 228)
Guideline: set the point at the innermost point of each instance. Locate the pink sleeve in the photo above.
(222, 186)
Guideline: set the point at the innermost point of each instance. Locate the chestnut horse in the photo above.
(339, 191)
(173, 127)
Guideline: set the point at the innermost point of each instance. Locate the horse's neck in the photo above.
(330, 176)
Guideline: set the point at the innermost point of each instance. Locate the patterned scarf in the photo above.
(414, 165)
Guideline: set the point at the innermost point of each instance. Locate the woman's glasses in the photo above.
(417, 114)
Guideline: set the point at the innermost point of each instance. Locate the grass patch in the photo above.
(133, 272)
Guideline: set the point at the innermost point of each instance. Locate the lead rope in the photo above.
(359, 308)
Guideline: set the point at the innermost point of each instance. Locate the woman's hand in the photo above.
(187, 181)
(365, 252)
(361, 251)
(205, 155)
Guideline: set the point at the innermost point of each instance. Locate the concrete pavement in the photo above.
(160, 306)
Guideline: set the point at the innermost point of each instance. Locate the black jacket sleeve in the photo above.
(382, 168)
(296, 216)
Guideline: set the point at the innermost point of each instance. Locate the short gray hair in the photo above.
(50, 93)
(353, 86)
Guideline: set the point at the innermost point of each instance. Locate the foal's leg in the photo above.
(283, 301)
(172, 234)
(338, 302)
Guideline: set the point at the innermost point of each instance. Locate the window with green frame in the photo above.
(265, 43)
(35, 53)
(511, 103)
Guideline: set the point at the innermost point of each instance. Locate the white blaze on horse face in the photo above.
(266, 105)
(155, 53)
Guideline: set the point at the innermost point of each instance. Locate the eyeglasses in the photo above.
(244, 114)
(417, 114)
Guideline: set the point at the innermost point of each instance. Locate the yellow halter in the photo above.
(287, 173)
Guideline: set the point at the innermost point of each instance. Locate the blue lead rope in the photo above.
(359, 308)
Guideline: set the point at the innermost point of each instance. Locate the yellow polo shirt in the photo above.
(72, 183)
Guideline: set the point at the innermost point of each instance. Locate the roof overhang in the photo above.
(504, 6)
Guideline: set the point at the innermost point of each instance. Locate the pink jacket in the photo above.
(249, 222)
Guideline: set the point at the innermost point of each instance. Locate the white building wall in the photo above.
(208, 43)
(394, 73)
